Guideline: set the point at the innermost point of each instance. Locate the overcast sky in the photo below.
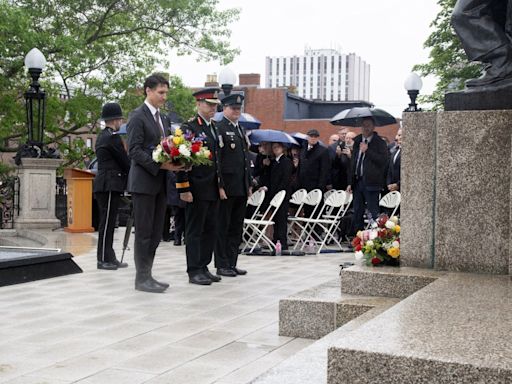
(387, 34)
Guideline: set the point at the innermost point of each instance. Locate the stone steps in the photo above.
(455, 330)
(309, 365)
(315, 312)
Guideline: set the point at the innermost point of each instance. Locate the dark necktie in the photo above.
(359, 171)
(158, 123)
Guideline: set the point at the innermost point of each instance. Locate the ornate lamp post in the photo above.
(227, 80)
(35, 100)
(413, 85)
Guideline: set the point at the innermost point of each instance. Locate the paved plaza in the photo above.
(95, 328)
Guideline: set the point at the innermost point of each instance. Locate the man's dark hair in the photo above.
(154, 81)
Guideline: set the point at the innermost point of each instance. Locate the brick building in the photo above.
(278, 108)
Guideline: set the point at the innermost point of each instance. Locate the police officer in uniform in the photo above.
(200, 189)
(109, 183)
(234, 183)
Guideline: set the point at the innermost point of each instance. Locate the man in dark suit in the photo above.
(109, 183)
(393, 178)
(147, 179)
(368, 174)
(314, 164)
(280, 175)
(200, 189)
(234, 184)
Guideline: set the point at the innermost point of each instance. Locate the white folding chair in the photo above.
(314, 200)
(258, 227)
(391, 201)
(298, 198)
(256, 200)
(326, 223)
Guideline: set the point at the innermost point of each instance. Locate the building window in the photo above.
(88, 143)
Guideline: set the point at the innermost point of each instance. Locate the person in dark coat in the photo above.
(368, 173)
(393, 177)
(234, 186)
(339, 155)
(175, 209)
(200, 189)
(147, 179)
(280, 176)
(109, 183)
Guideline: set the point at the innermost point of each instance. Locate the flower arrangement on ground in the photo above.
(183, 148)
(379, 245)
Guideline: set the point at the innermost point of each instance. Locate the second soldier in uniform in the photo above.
(234, 183)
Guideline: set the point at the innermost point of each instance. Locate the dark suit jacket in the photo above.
(314, 167)
(113, 162)
(144, 135)
(375, 162)
(394, 168)
(202, 180)
(340, 167)
(234, 175)
(280, 176)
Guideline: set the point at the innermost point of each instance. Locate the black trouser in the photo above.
(231, 222)
(179, 221)
(365, 197)
(108, 203)
(166, 235)
(281, 225)
(149, 212)
(201, 224)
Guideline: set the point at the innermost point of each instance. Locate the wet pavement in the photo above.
(94, 327)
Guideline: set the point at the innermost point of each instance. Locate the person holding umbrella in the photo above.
(109, 183)
(368, 172)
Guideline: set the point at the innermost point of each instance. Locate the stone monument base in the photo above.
(37, 194)
(496, 99)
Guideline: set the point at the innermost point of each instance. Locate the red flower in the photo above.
(356, 241)
(382, 233)
(382, 219)
(175, 152)
(375, 261)
(195, 147)
(210, 156)
(358, 247)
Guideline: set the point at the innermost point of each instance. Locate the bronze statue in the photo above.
(485, 30)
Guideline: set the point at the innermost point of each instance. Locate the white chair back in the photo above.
(256, 200)
(391, 201)
(336, 199)
(298, 197)
(277, 200)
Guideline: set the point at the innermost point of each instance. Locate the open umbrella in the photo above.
(246, 120)
(302, 138)
(353, 117)
(271, 136)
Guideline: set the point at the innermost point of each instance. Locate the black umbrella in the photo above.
(353, 117)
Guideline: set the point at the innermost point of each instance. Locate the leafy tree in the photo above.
(448, 61)
(98, 51)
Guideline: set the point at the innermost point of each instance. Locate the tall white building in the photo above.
(322, 74)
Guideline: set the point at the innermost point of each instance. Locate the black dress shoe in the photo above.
(165, 285)
(200, 279)
(177, 242)
(226, 272)
(213, 277)
(239, 271)
(149, 285)
(119, 264)
(107, 265)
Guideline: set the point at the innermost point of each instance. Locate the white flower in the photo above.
(390, 224)
(395, 244)
(394, 219)
(184, 150)
(157, 152)
(374, 235)
(369, 243)
(359, 255)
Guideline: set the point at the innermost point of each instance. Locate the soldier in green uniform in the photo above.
(234, 183)
(200, 189)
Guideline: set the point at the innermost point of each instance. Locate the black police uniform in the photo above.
(234, 177)
(109, 184)
(201, 215)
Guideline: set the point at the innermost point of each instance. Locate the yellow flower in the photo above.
(394, 252)
(178, 132)
(176, 140)
(360, 234)
(397, 228)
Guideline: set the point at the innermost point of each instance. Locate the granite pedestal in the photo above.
(37, 194)
(456, 186)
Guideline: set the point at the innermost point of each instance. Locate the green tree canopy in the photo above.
(448, 61)
(98, 51)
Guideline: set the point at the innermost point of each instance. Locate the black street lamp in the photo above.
(35, 99)
(413, 85)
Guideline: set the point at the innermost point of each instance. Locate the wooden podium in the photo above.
(79, 183)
